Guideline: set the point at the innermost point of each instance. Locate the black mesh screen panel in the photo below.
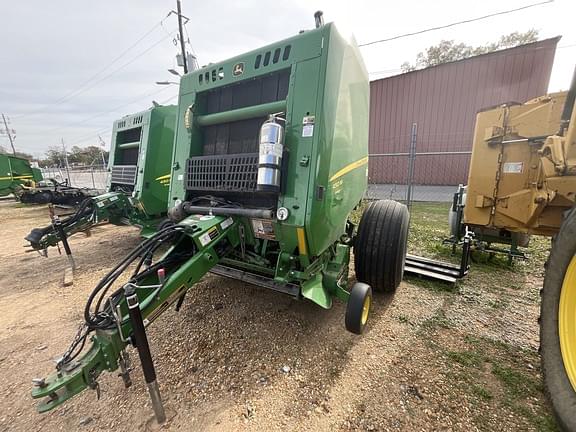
(232, 138)
(127, 157)
(266, 88)
(230, 173)
(129, 135)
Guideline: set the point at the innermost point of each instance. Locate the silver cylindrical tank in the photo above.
(270, 159)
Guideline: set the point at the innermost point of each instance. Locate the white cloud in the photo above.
(51, 48)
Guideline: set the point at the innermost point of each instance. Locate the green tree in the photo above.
(54, 156)
(24, 155)
(448, 50)
(91, 155)
(18, 153)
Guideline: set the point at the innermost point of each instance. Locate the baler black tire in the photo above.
(45, 197)
(560, 391)
(355, 320)
(380, 246)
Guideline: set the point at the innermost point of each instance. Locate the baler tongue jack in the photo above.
(141, 342)
(197, 245)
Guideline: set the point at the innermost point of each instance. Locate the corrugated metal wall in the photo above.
(443, 101)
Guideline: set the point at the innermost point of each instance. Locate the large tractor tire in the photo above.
(558, 324)
(380, 247)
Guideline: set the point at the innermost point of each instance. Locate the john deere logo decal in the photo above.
(238, 69)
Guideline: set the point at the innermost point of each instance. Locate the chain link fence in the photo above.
(94, 177)
(404, 174)
(408, 174)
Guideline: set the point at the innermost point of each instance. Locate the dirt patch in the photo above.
(238, 357)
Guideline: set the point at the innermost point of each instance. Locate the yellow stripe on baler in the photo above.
(301, 241)
(350, 167)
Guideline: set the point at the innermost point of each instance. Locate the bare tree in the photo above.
(448, 50)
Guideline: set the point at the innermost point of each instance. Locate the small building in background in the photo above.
(443, 101)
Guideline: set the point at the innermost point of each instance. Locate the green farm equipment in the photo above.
(270, 159)
(140, 158)
(15, 172)
(51, 191)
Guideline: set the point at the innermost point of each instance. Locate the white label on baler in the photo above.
(226, 223)
(513, 167)
(204, 239)
(113, 198)
(180, 177)
(307, 130)
(269, 149)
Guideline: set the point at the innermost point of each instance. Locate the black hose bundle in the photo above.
(101, 319)
(101, 316)
(86, 208)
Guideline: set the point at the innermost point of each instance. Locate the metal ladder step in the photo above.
(433, 269)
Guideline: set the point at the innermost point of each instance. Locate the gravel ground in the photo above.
(238, 357)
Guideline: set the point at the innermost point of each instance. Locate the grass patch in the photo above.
(517, 384)
(481, 392)
(356, 214)
(428, 227)
(520, 389)
(467, 358)
(436, 321)
(492, 373)
(404, 319)
(432, 285)
(499, 303)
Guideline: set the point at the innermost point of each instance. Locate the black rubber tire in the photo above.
(44, 197)
(560, 392)
(355, 307)
(380, 246)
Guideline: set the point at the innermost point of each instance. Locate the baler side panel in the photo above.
(341, 158)
(300, 149)
(152, 188)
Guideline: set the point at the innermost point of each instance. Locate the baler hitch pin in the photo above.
(141, 342)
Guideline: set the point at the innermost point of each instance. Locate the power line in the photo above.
(115, 60)
(169, 99)
(104, 132)
(137, 57)
(456, 23)
(105, 77)
(140, 97)
(83, 138)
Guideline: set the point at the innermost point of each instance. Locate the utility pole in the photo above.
(10, 133)
(102, 144)
(181, 33)
(66, 162)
